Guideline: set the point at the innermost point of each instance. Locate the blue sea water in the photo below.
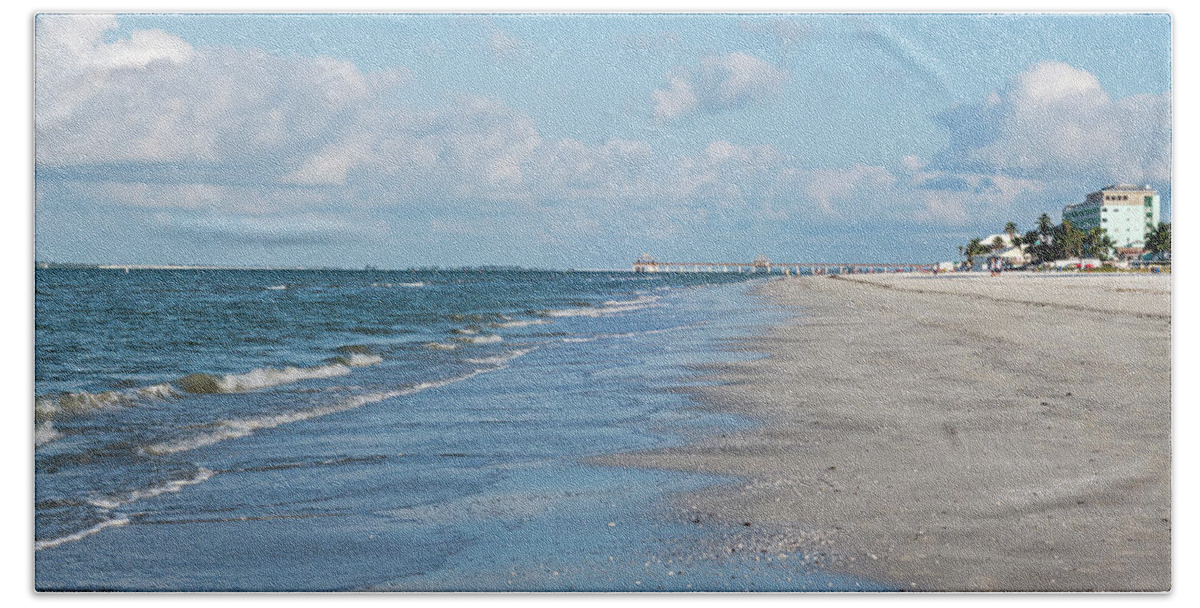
(369, 430)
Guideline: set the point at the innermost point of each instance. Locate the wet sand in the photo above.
(953, 433)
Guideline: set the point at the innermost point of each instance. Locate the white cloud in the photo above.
(329, 166)
(718, 84)
(73, 62)
(674, 101)
(153, 98)
(1054, 121)
(250, 135)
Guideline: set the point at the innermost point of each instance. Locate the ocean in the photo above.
(255, 430)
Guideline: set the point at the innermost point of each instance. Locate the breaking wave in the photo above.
(611, 307)
(57, 405)
(488, 339)
(416, 284)
(43, 433)
(265, 377)
(500, 359)
(54, 405)
(510, 324)
(233, 429)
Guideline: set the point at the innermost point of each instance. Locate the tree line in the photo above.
(1049, 242)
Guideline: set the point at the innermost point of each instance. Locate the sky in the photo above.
(581, 141)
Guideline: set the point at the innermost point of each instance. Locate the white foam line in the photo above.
(501, 359)
(113, 502)
(49, 406)
(610, 307)
(49, 544)
(487, 339)
(511, 324)
(633, 334)
(233, 429)
(268, 376)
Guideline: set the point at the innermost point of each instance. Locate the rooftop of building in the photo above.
(1121, 187)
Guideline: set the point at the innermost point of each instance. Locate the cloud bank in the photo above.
(245, 145)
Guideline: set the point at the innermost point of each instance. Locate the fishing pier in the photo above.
(647, 264)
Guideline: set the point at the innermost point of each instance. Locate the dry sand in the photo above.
(954, 433)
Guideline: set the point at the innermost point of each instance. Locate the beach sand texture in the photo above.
(954, 433)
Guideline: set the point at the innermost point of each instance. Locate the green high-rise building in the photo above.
(1126, 212)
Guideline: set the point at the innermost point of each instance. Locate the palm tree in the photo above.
(1158, 239)
(1098, 244)
(1068, 241)
(1045, 225)
(1032, 244)
(1011, 230)
(974, 247)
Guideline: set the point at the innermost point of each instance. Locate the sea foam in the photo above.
(485, 339)
(43, 433)
(500, 359)
(269, 376)
(234, 429)
(112, 502)
(82, 534)
(510, 324)
(71, 403)
(612, 307)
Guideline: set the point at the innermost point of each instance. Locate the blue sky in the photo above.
(581, 141)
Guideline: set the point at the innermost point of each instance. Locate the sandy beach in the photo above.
(952, 433)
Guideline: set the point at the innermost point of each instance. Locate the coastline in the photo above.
(954, 433)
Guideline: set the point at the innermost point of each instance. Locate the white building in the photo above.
(1012, 253)
(1126, 212)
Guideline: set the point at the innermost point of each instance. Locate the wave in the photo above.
(358, 359)
(632, 334)
(276, 287)
(112, 502)
(48, 544)
(510, 324)
(441, 346)
(234, 429)
(612, 307)
(487, 339)
(416, 284)
(54, 405)
(43, 433)
(500, 359)
(265, 377)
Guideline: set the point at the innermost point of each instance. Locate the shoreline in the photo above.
(955, 433)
